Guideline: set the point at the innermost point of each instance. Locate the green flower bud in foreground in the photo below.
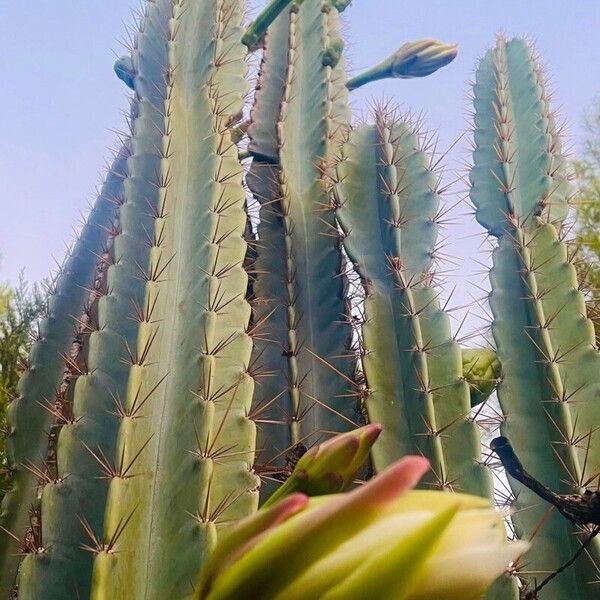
(332, 466)
(378, 541)
(481, 369)
(415, 59)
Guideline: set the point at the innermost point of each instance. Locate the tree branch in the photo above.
(580, 509)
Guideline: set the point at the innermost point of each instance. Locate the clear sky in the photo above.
(59, 99)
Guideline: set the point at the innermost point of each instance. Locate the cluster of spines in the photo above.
(545, 343)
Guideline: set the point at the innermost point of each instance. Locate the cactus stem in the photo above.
(257, 29)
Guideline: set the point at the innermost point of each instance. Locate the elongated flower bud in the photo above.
(414, 59)
(250, 531)
(332, 466)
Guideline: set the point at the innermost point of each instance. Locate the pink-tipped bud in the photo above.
(332, 466)
(247, 534)
(415, 59)
(380, 540)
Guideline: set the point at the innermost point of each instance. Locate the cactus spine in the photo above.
(550, 365)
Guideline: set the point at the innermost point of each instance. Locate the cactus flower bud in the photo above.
(125, 71)
(415, 59)
(380, 540)
(331, 466)
(249, 531)
(481, 369)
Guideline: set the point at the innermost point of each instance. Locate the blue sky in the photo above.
(60, 99)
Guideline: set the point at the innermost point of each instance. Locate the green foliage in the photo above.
(587, 214)
(20, 308)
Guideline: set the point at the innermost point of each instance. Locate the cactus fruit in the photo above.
(545, 343)
(482, 370)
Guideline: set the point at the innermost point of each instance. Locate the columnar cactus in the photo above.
(387, 199)
(150, 390)
(185, 432)
(550, 365)
(303, 339)
(56, 360)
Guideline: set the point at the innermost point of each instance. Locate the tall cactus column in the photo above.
(73, 506)
(551, 368)
(387, 200)
(302, 341)
(191, 445)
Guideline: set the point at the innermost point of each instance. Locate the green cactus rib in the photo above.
(262, 130)
(42, 569)
(519, 169)
(387, 199)
(28, 417)
(72, 507)
(271, 404)
(551, 369)
(299, 290)
(192, 447)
